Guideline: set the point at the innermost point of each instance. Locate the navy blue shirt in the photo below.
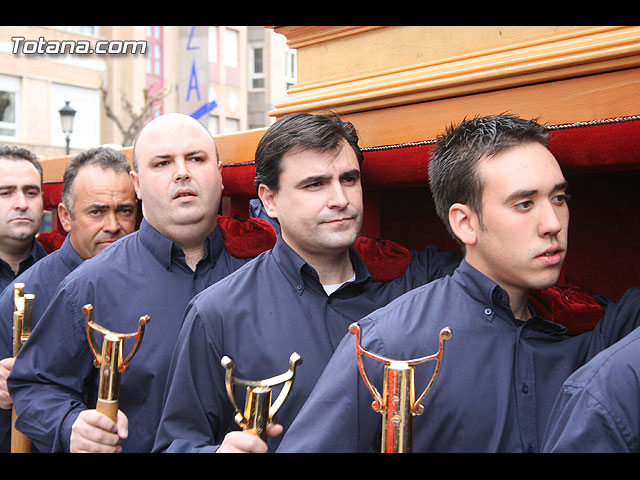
(496, 387)
(259, 316)
(598, 408)
(42, 279)
(143, 273)
(8, 276)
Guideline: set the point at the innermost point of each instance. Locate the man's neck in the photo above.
(521, 310)
(193, 249)
(14, 255)
(191, 239)
(193, 255)
(332, 269)
(518, 296)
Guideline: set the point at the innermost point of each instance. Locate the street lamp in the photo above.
(66, 119)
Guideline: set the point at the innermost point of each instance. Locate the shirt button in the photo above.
(488, 311)
(525, 388)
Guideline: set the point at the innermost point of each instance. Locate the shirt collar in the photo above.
(37, 252)
(165, 250)
(480, 287)
(492, 296)
(296, 269)
(68, 255)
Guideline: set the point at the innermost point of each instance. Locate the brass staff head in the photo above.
(109, 357)
(378, 404)
(22, 316)
(259, 411)
(397, 404)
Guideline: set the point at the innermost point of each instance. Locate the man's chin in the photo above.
(23, 235)
(101, 245)
(342, 240)
(546, 281)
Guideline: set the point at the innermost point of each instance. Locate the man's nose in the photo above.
(551, 222)
(337, 196)
(181, 171)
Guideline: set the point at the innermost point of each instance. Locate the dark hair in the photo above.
(303, 130)
(453, 175)
(12, 152)
(103, 157)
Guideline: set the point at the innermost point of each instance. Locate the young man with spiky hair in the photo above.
(502, 194)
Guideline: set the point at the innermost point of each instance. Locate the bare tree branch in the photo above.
(130, 127)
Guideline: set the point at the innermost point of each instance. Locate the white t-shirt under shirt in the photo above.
(332, 288)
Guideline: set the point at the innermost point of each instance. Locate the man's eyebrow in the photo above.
(527, 193)
(312, 179)
(321, 178)
(351, 173)
(104, 206)
(188, 154)
(15, 187)
(520, 194)
(160, 156)
(196, 152)
(126, 205)
(96, 206)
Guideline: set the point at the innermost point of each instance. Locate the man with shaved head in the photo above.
(177, 252)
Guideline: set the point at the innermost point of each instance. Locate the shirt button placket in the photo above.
(525, 401)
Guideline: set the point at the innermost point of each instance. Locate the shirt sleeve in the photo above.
(431, 263)
(6, 351)
(6, 326)
(337, 417)
(196, 408)
(597, 407)
(620, 318)
(580, 423)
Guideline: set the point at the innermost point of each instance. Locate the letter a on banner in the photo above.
(193, 81)
(193, 66)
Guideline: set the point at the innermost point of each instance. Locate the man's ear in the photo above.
(267, 197)
(64, 217)
(220, 172)
(463, 222)
(136, 183)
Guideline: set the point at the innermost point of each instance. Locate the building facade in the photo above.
(117, 77)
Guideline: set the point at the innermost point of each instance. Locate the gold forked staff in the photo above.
(109, 360)
(259, 411)
(397, 404)
(22, 325)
